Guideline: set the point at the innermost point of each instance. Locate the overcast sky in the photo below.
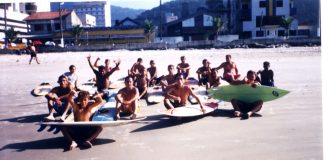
(137, 4)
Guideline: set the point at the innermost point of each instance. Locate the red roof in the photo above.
(46, 15)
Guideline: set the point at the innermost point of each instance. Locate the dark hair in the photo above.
(71, 66)
(266, 63)
(152, 61)
(61, 77)
(251, 72)
(204, 61)
(228, 55)
(128, 78)
(182, 57)
(139, 60)
(169, 66)
(101, 68)
(83, 95)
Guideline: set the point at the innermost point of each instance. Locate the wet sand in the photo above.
(287, 128)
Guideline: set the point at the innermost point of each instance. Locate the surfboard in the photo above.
(246, 93)
(155, 94)
(89, 87)
(191, 110)
(191, 81)
(42, 89)
(117, 84)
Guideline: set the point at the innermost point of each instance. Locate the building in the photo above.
(88, 20)
(99, 9)
(42, 25)
(127, 22)
(198, 26)
(262, 18)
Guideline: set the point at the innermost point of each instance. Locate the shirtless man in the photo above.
(141, 84)
(108, 67)
(230, 69)
(102, 77)
(57, 99)
(266, 75)
(152, 73)
(33, 53)
(72, 77)
(243, 109)
(183, 67)
(213, 79)
(177, 95)
(203, 72)
(82, 113)
(137, 69)
(127, 99)
(168, 79)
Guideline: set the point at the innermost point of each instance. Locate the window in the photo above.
(57, 26)
(245, 6)
(38, 27)
(263, 4)
(259, 33)
(279, 3)
(292, 32)
(245, 35)
(281, 33)
(49, 27)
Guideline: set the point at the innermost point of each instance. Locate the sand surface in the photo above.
(289, 128)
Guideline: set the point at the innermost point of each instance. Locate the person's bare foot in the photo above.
(237, 114)
(73, 145)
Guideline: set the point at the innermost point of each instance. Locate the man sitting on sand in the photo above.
(127, 99)
(266, 75)
(141, 85)
(242, 109)
(82, 113)
(177, 95)
(137, 69)
(203, 72)
(230, 69)
(213, 79)
(102, 77)
(168, 79)
(57, 99)
(183, 67)
(152, 70)
(72, 77)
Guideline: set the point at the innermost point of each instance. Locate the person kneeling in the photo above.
(82, 110)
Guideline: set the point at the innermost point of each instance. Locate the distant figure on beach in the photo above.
(141, 84)
(168, 79)
(177, 94)
(152, 70)
(137, 69)
(242, 109)
(57, 99)
(102, 77)
(230, 69)
(72, 77)
(203, 72)
(183, 67)
(82, 135)
(127, 99)
(213, 79)
(33, 53)
(108, 67)
(266, 75)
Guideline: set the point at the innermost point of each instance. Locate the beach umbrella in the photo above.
(37, 42)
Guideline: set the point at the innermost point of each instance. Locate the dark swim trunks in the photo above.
(82, 133)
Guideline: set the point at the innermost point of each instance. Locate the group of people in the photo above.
(65, 100)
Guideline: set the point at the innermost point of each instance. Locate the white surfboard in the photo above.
(42, 89)
(89, 87)
(155, 94)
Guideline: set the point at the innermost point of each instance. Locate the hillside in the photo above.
(119, 13)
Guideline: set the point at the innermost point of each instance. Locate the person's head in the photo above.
(102, 70)
(228, 58)
(214, 72)
(251, 75)
(139, 60)
(83, 98)
(180, 79)
(63, 81)
(266, 65)
(129, 82)
(107, 62)
(205, 62)
(170, 68)
(152, 63)
(72, 68)
(183, 59)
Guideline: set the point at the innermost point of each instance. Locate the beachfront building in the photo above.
(88, 20)
(198, 26)
(42, 25)
(262, 18)
(101, 10)
(127, 22)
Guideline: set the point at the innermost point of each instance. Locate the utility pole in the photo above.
(160, 20)
(61, 25)
(5, 20)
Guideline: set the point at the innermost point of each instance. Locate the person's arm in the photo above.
(89, 61)
(237, 82)
(271, 76)
(96, 63)
(169, 95)
(220, 66)
(135, 97)
(114, 69)
(98, 101)
(145, 90)
(235, 67)
(196, 97)
(71, 101)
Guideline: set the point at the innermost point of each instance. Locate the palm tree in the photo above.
(11, 34)
(218, 26)
(149, 29)
(77, 30)
(286, 23)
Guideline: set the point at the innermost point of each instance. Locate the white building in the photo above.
(99, 9)
(88, 20)
(262, 18)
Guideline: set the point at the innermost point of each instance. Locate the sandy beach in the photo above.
(290, 128)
